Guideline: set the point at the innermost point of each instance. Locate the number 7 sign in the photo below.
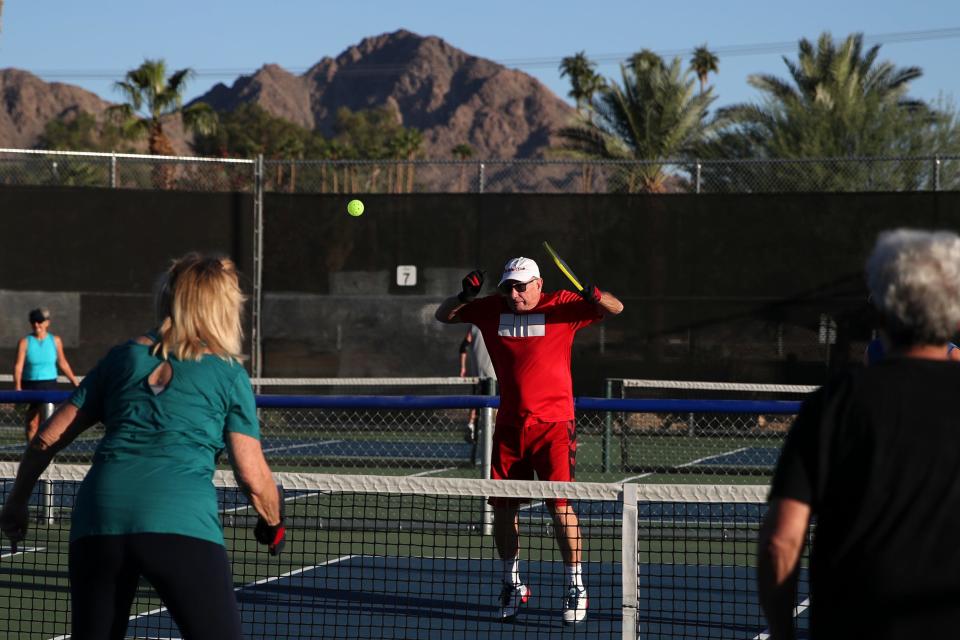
(406, 275)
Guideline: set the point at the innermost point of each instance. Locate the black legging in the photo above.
(190, 575)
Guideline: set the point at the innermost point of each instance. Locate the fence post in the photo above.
(936, 173)
(113, 170)
(480, 177)
(47, 502)
(699, 167)
(488, 387)
(607, 426)
(256, 365)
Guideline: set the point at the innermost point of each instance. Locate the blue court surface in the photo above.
(706, 601)
(745, 457)
(404, 597)
(411, 597)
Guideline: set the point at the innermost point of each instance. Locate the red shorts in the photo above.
(548, 449)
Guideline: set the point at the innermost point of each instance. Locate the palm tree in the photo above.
(151, 96)
(654, 115)
(704, 62)
(584, 80)
(839, 101)
(645, 59)
(591, 86)
(405, 145)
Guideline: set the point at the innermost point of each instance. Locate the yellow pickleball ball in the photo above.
(355, 208)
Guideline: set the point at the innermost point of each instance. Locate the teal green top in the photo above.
(153, 470)
(41, 359)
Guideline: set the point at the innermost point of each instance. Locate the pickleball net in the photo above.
(414, 557)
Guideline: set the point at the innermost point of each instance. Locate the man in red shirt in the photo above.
(529, 335)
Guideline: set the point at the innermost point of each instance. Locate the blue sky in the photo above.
(92, 43)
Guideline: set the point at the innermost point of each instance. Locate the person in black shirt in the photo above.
(874, 456)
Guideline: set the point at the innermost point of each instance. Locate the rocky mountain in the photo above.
(28, 103)
(449, 95)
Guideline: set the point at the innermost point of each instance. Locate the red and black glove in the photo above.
(591, 293)
(472, 284)
(273, 536)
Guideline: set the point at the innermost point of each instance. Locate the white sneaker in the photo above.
(575, 605)
(512, 597)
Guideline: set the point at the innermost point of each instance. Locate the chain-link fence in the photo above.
(129, 171)
(124, 171)
(732, 441)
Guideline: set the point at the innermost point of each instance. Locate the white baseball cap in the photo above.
(520, 270)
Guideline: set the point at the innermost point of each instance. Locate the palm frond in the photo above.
(200, 118)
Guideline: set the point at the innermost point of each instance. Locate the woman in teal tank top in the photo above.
(35, 369)
(170, 401)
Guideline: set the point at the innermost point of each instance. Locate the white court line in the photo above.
(430, 472)
(287, 499)
(688, 464)
(803, 606)
(20, 552)
(301, 446)
(296, 571)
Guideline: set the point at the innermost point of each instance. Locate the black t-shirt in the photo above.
(876, 454)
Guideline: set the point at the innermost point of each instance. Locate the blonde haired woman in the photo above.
(171, 401)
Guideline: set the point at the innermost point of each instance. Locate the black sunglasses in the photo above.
(519, 287)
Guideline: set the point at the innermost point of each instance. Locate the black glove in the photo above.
(274, 536)
(591, 293)
(471, 286)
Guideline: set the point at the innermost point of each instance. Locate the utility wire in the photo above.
(736, 50)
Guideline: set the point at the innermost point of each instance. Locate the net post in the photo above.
(629, 559)
(46, 410)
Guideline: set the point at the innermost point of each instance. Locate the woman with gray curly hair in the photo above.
(874, 455)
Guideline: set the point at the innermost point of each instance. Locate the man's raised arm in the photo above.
(447, 311)
(606, 301)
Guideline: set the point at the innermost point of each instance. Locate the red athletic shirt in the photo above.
(531, 353)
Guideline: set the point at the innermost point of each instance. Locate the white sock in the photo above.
(511, 571)
(574, 576)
